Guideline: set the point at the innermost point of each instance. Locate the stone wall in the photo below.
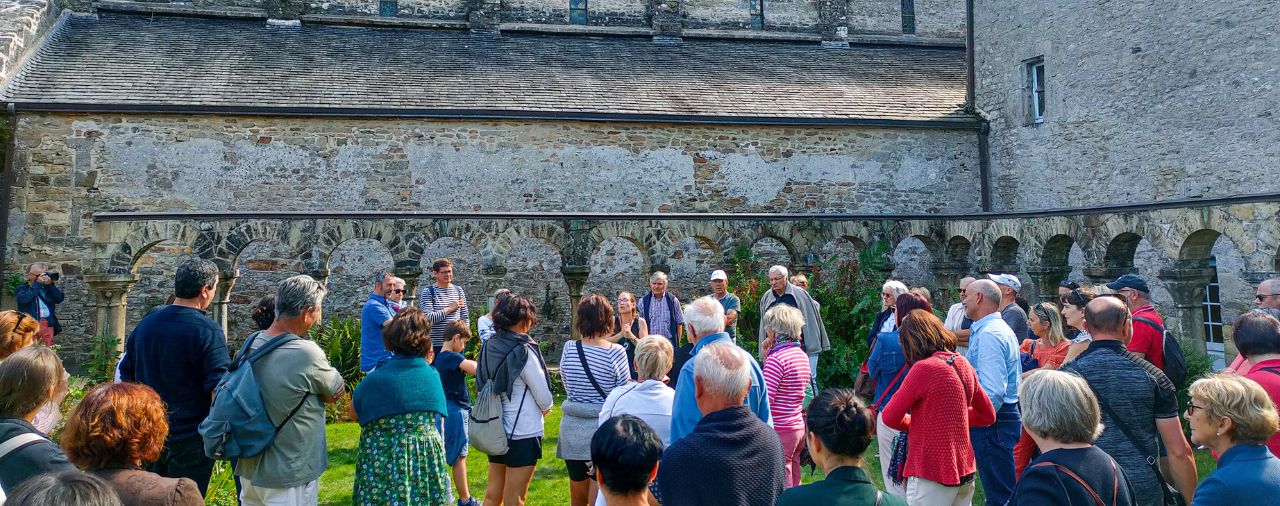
(431, 9)
(71, 166)
(939, 18)
(791, 15)
(875, 17)
(1147, 100)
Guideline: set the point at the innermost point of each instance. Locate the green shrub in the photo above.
(340, 341)
(849, 291)
(100, 364)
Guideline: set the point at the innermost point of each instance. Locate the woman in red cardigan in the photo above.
(941, 395)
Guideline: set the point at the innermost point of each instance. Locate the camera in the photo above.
(52, 275)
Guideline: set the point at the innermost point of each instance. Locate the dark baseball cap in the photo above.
(1130, 281)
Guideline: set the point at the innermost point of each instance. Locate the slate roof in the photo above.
(126, 62)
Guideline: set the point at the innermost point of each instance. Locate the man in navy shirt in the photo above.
(181, 353)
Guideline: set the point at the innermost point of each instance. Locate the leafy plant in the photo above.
(13, 281)
(340, 341)
(104, 354)
(849, 292)
(222, 488)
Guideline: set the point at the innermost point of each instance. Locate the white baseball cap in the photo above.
(718, 274)
(1008, 280)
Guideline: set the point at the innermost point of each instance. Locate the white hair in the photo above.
(725, 370)
(705, 315)
(657, 275)
(1272, 284)
(895, 288)
(784, 320)
(778, 269)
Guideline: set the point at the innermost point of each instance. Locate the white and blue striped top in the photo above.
(608, 366)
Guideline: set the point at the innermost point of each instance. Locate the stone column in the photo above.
(222, 298)
(1046, 279)
(946, 277)
(410, 277)
(1186, 281)
(110, 301)
(494, 277)
(321, 275)
(575, 276)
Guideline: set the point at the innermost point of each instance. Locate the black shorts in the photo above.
(579, 470)
(520, 453)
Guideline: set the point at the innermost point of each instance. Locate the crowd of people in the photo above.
(1072, 402)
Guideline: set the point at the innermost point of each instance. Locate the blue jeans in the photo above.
(993, 449)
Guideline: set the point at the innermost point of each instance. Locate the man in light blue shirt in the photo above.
(376, 312)
(993, 352)
(704, 318)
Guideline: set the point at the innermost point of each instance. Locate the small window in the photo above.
(578, 12)
(908, 17)
(757, 14)
(1036, 99)
(388, 8)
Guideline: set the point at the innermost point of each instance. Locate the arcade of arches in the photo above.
(1180, 251)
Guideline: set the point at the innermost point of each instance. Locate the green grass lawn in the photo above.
(550, 483)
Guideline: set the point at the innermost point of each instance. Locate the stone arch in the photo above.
(351, 267)
(502, 241)
(1120, 252)
(1198, 245)
(1004, 255)
(957, 252)
(156, 267)
(842, 249)
(261, 264)
(913, 260)
(241, 236)
(690, 264)
(617, 264)
(771, 250)
(143, 237)
(534, 269)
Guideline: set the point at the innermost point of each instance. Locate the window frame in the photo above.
(1037, 91)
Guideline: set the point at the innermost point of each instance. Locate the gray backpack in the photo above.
(485, 430)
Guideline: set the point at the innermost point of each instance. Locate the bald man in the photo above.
(993, 351)
(1136, 398)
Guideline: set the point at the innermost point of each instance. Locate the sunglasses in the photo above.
(1263, 296)
(397, 290)
(1079, 298)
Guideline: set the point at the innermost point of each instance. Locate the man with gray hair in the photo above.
(181, 353)
(376, 312)
(731, 457)
(39, 297)
(993, 352)
(781, 291)
(705, 317)
(296, 382)
(957, 322)
(662, 309)
(1268, 295)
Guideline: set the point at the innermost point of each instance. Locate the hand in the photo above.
(44, 278)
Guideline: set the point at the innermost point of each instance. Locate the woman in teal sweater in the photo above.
(401, 459)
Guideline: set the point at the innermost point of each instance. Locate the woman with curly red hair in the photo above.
(117, 429)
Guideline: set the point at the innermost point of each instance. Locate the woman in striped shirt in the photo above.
(786, 373)
(591, 367)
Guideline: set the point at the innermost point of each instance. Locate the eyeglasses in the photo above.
(398, 290)
(1191, 408)
(961, 291)
(1263, 296)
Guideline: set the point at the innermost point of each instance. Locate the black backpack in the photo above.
(1175, 363)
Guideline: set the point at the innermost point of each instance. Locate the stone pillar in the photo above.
(833, 23)
(575, 276)
(1186, 281)
(218, 310)
(1100, 275)
(1046, 279)
(321, 275)
(110, 301)
(667, 21)
(494, 278)
(410, 277)
(945, 279)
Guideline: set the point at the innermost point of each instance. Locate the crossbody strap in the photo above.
(1271, 370)
(19, 442)
(1151, 460)
(1115, 478)
(894, 381)
(582, 354)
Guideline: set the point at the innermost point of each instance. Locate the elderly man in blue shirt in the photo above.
(704, 318)
(993, 352)
(376, 312)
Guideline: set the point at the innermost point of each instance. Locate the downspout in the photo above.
(971, 107)
(7, 179)
(984, 166)
(970, 99)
